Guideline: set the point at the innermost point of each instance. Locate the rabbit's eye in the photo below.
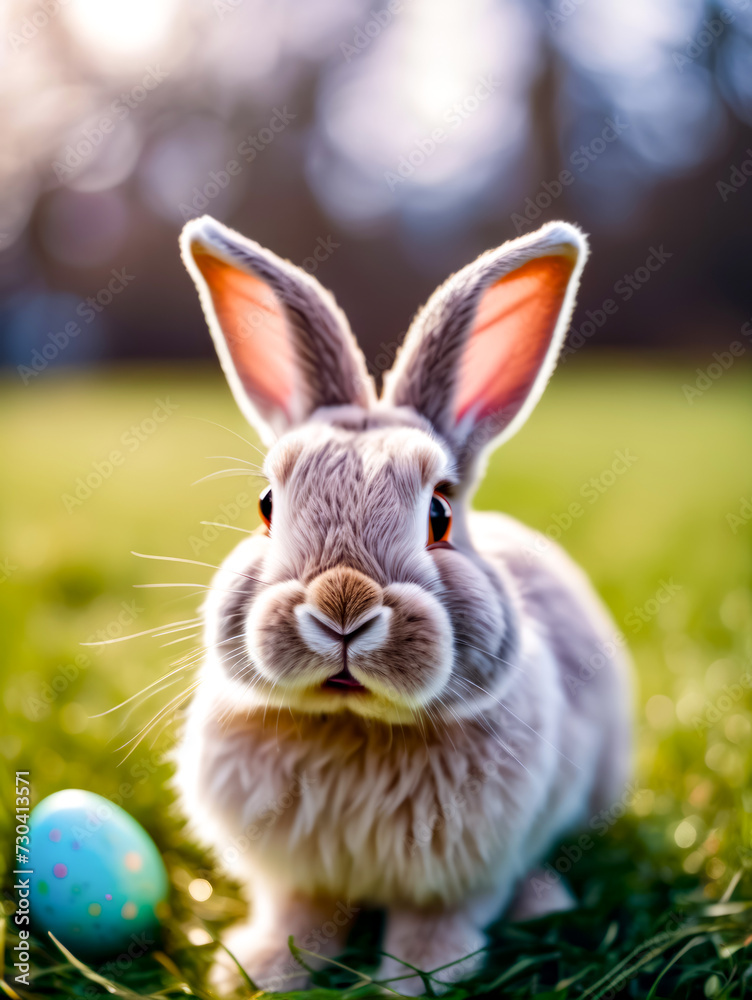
(265, 506)
(439, 519)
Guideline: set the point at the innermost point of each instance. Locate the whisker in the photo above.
(188, 660)
(266, 706)
(234, 458)
(255, 683)
(142, 691)
(195, 562)
(276, 728)
(171, 705)
(482, 722)
(157, 630)
(495, 736)
(507, 663)
(448, 734)
(179, 559)
(525, 724)
(182, 659)
(137, 704)
(168, 719)
(181, 638)
(294, 722)
(421, 727)
(232, 527)
(229, 431)
(195, 593)
(229, 474)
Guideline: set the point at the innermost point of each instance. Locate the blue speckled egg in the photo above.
(99, 883)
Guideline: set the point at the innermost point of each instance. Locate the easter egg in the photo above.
(99, 882)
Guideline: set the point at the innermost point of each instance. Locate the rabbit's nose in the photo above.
(343, 614)
(326, 637)
(343, 597)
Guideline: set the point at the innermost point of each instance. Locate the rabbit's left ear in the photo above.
(285, 346)
(479, 354)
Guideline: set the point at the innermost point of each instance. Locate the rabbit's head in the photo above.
(363, 593)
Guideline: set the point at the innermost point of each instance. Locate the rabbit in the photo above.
(404, 704)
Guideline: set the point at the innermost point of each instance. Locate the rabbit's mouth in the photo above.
(344, 682)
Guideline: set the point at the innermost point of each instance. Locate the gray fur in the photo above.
(494, 713)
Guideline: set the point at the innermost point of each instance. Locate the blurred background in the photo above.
(311, 127)
(380, 145)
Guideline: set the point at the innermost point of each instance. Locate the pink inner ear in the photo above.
(255, 330)
(511, 334)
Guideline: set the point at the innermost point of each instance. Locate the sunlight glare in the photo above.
(122, 27)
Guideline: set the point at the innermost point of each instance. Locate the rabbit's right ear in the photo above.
(478, 355)
(284, 345)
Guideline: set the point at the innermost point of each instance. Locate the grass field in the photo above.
(664, 912)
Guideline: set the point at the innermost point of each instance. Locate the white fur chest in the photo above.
(333, 806)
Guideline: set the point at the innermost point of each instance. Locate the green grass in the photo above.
(655, 887)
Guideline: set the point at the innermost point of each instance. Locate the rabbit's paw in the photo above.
(538, 895)
(269, 963)
(449, 943)
(262, 949)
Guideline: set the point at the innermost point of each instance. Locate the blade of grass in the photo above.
(246, 978)
(8, 990)
(448, 965)
(110, 985)
(425, 977)
(660, 943)
(564, 983)
(516, 969)
(367, 980)
(682, 951)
